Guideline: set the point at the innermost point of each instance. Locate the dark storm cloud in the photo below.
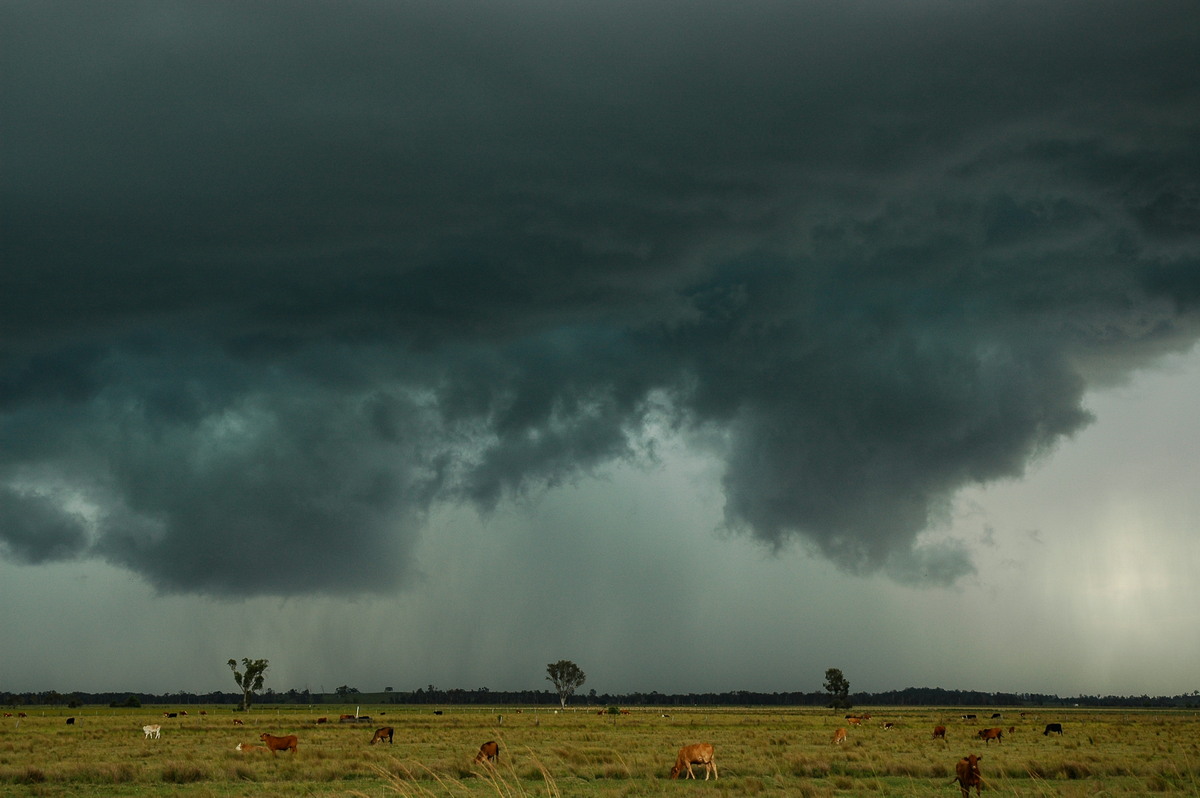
(278, 279)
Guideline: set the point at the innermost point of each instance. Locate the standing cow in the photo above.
(380, 734)
(968, 775)
(698, 754)
(488, 752)
(277, 744)
(995, 733)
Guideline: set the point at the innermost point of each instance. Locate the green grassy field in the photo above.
(777, 751)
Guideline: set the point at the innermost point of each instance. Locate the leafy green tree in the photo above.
(345, 691)
(838, 688)
(249, 681)
(566, 676)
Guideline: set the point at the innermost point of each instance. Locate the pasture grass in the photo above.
(760, 751)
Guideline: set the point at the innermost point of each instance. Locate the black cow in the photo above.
(1052, 727)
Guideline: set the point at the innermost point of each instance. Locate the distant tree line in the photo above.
(912, 696)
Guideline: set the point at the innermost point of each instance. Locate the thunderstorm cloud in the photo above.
(279, 280)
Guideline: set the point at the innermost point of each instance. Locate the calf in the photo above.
(488, 752)
(698, 754)
(939, 731)
(249, 748)
(277, 744)
(1052, 727)
(839, 736)
(968, 775)
(386, 731)
(153, 730)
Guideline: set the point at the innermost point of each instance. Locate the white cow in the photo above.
(153, 730)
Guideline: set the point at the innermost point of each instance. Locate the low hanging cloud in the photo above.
(275, 288)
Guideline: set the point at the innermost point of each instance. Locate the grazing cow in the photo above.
(488, 752)
(995, 715)
(203, 712)
(968, 775)
(237, 722)
(182, 714)
(437, 712)
(968, 717)
(1012, 729)
(939, 731)
(277, 744)
(1052, 727)
(386, 731)
(698, 754)
(153, 730)
(995, 733)
(22, 715)
(250, 748)
(70, 721)
(322, 720)
(839, 736)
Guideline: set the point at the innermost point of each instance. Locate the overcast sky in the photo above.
(706, 344)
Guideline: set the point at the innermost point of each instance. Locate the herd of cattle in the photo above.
(967, 770)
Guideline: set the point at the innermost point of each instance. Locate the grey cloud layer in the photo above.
(276, 283)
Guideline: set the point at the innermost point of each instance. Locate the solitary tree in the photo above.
(838, 688)
(566, 676)
(249, 681)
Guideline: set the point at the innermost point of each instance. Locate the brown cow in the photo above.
(939, 731)
(488, 752)
(277, 744)
(237, 722)
(968, 775)
(994, 733)
(839, 736)
(698, 754)
(386, 731)
(322, 720)
(854, 720)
